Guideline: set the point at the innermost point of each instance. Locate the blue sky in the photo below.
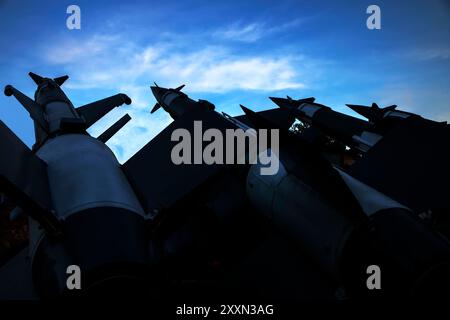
(227, 52)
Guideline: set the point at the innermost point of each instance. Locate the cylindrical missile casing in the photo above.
(303, 214)
(352, 131)
(55, 111)
(417, 258)
(103, 222)
(414, 259)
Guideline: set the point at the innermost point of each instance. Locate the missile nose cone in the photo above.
(158, 92)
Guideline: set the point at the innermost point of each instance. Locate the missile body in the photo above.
(88, 210)
(390, 235)
(386, 118)
(345, 225)
(102, 222)
(352, 131)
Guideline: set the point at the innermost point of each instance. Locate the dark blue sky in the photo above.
(228, 52)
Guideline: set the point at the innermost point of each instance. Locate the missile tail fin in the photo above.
(306, 100)
(180, 87)
(373, 113)
(112, 130)
(281, 118)
(291, 103)
(23, 179)
(258, 121)
(33, 108)
(36, 78)
(94, 111)
(390, 108)
(155, 107)
(61, 80)
(365, 111)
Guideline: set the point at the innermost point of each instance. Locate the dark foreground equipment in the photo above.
(305, 225)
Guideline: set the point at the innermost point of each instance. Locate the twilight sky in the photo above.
(227, 52)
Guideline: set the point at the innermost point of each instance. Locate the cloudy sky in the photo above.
(227, 52)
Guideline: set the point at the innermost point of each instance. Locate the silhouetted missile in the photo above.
(387, 118)
(289, 102)
(311, 160)
(306, 188)
(53, 112)
(177, 103)
(89, 191)
(320, 206)
(373, 113)
(352, 131)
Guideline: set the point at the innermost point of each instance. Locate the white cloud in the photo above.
(247, 33)
(115, 63)
(425, 54)
(70, 51)
(252, 32)
(212, 69)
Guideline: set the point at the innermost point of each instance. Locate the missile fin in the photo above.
(61, 80)
(291, 103)
(281, 102)
(306, 100)
(112, 130)
(94, 111)
(33, 108)
(23, 179)
(180, 87)
(36, 78)
(280, 118)
(390, 108)
(257, 120)
(371, 113)
(155, 107)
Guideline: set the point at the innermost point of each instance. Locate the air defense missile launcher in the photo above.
(309, 231)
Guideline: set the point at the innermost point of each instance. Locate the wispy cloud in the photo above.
(71, 51)
(117, 64)
(215, 70)
(247, 33)
(425, 54)
(212, 69)
(252, 32)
